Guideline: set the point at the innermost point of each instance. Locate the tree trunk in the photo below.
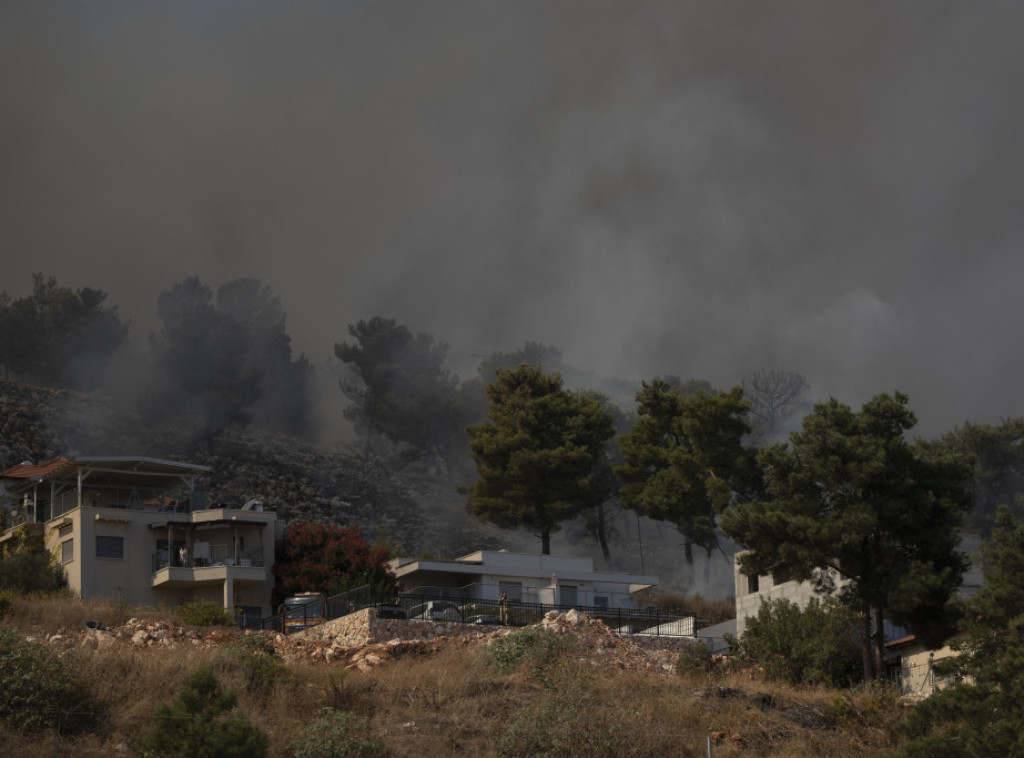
(865, 641)
(602, 535)
(545, 542)
(879, 644)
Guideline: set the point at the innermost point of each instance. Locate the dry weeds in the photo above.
(450, 700)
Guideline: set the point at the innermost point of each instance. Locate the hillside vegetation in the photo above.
(567, 690)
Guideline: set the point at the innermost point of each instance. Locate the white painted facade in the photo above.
(548, 579)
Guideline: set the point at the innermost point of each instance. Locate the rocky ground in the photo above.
(600, 646)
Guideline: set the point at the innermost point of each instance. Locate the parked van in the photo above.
(303, 610)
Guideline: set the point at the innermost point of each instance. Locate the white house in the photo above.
(138, 530)
(526, 578)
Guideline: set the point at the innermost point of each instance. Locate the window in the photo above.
(567, 594)
(779, 576)
(64, 530)
(600, 601)
(752, 585)
(109, 547)
(67, 551)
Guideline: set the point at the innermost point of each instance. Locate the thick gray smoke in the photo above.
(699, 189)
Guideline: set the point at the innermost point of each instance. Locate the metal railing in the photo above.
(582, 597)
(646, 622)
(219, 555)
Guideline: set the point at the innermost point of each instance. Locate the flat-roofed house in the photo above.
(139, 530)
(547, 579)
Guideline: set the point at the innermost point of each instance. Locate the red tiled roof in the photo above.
(29, 470)
(901, 641)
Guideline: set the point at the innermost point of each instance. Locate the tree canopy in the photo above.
(982, 713)
(57, 335)
(851, 498)
(329, 559)
(403, 390)
(998, 453)
(228, 362)
(684, 458)
(538, 454)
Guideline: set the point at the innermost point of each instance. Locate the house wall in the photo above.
(917, 672)
(748, 602)
(130, 579)
(542, 578)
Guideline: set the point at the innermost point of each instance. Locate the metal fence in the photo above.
(645, 622)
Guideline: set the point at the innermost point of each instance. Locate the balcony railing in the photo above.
(219, 555)
(168, 501)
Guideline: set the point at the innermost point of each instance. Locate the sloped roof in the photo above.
(30, 470)
(105, 470)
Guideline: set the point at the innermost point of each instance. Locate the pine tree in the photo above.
(851, 498)
(537, 456)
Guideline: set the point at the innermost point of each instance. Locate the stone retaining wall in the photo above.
(364, 628)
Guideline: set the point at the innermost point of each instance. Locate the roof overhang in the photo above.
(98, 471)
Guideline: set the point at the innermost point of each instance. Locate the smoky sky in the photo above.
(700, 189)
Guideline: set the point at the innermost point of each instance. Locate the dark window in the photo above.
(67, 551)
(752, 585)
(109, 547)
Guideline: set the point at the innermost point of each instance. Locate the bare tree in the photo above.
(773, 394)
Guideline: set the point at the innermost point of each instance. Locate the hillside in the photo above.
(572, 689)
(416, 511)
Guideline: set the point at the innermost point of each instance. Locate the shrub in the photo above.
(817, 645)
(694, 657)
(200, 723)
(337, 734)
(31, 571)
(532, 645)
(205, 613)
(5, 602)
(263, 669)
(36, 690)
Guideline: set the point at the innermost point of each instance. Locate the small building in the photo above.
(524, 578)
(918, 677)
(139, 530)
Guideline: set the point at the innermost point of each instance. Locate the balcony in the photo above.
(185, 570)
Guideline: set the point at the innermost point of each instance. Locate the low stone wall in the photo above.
(364, 628)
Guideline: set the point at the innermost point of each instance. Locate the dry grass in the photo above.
(709, 611)
(455, 702)
(54, 613)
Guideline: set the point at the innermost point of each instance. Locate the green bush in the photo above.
(5, 602)
(263, 669)
(200, 723)
(36, 690)
(533, 645)
(337, 734)
(28, 571)
(205, 613)
(694, 657)
(817, 645)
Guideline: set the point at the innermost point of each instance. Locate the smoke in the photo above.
(699, 189)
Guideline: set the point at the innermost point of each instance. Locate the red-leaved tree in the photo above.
(328, 559)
